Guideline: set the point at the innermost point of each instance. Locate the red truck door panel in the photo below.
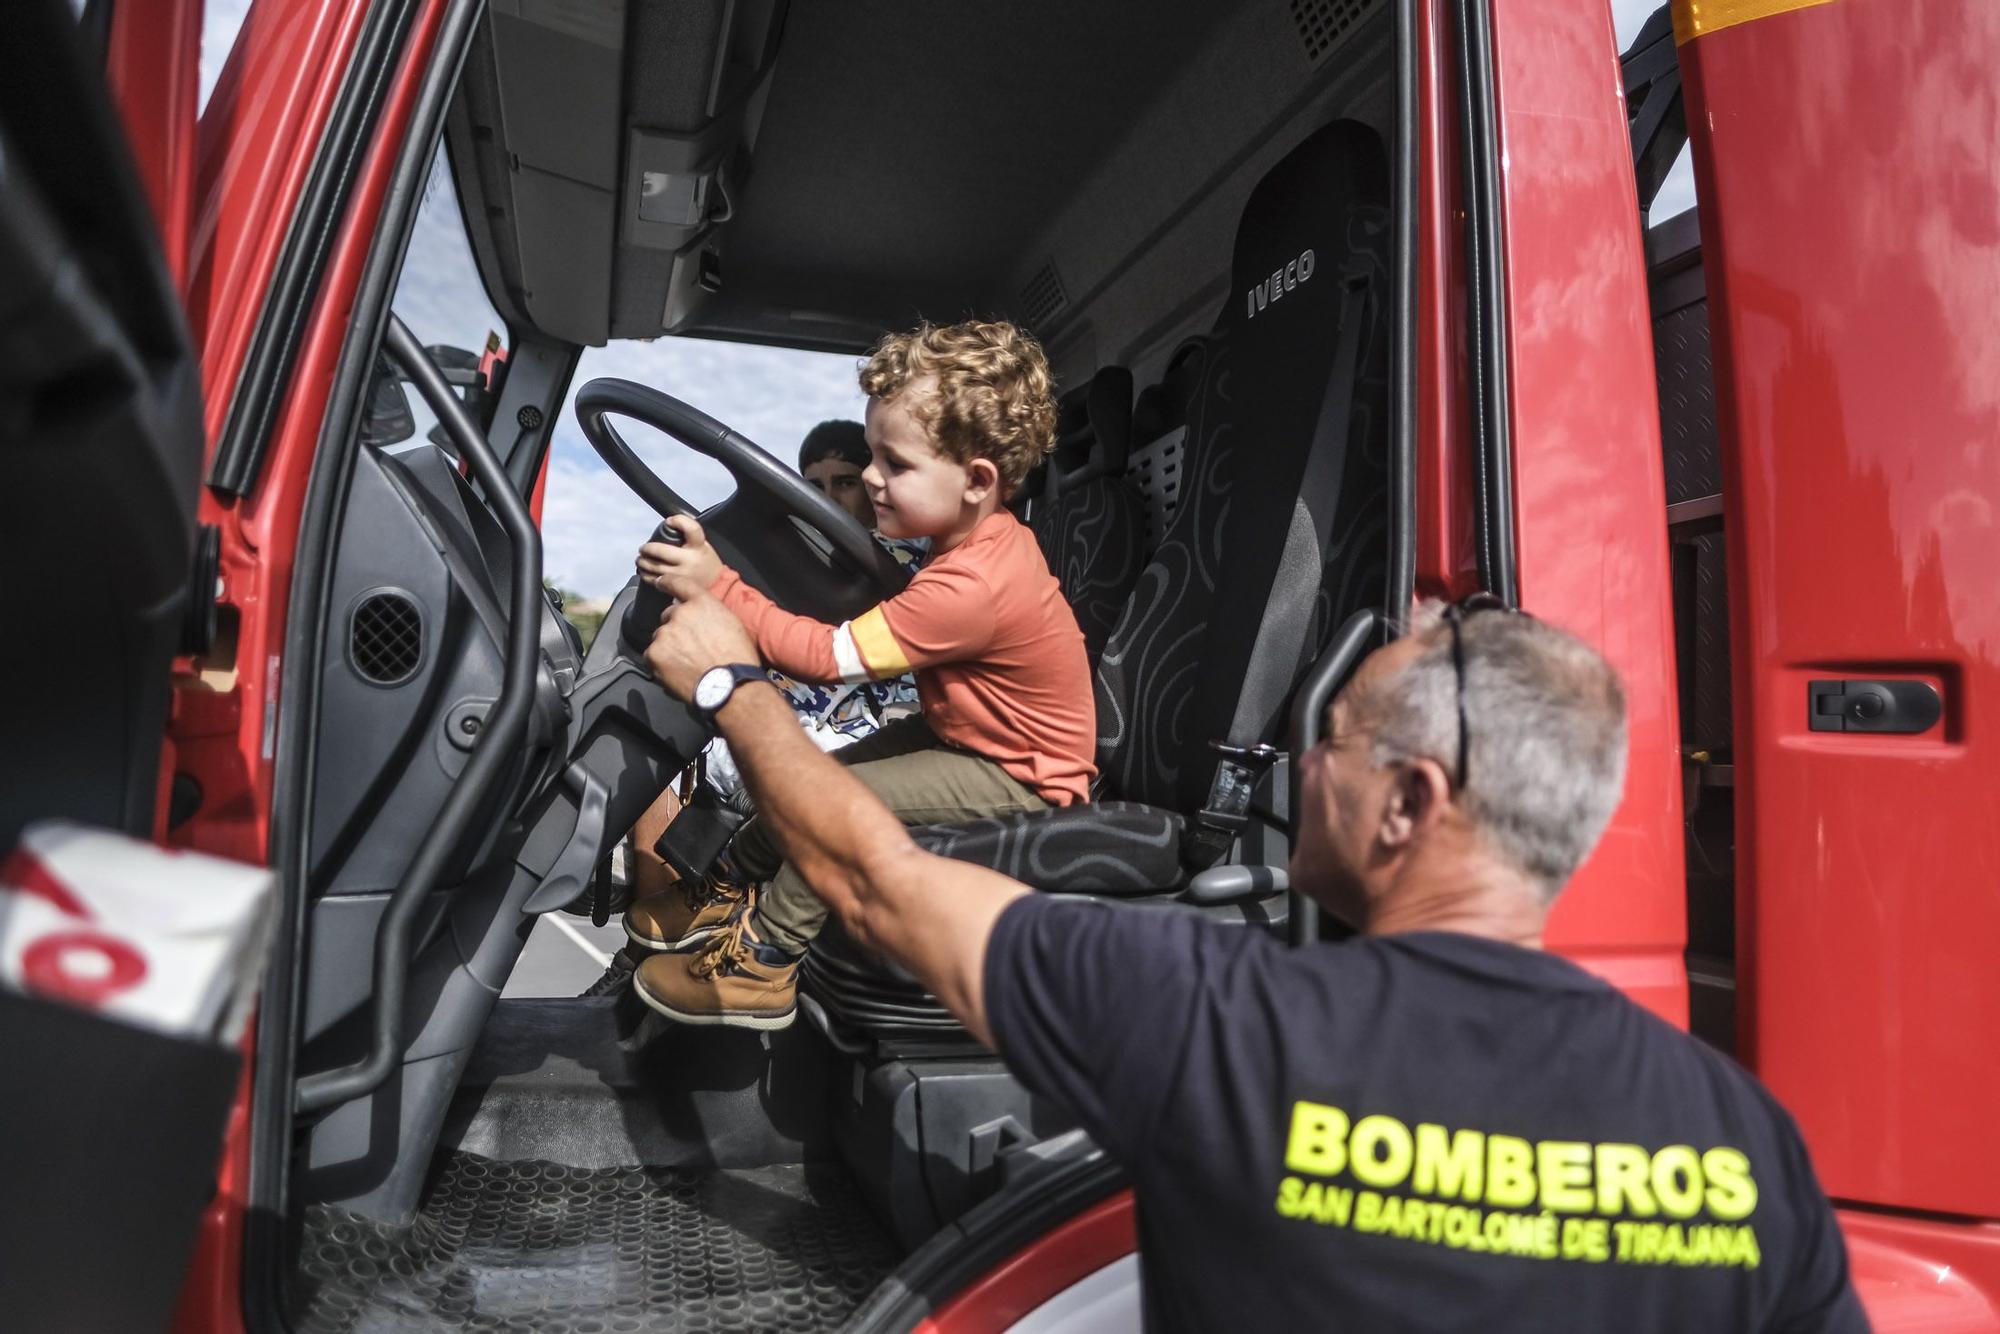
(1850, 218)
(1589, 501)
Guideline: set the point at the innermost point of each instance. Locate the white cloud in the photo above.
(1677, 191)
(591, 527)
(1628, 16)
(439, 294)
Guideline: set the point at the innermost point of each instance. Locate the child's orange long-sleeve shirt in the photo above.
(998, 657)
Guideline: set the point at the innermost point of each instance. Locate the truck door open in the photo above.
(1850, 228)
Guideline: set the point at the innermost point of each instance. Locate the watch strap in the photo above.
(739, 672)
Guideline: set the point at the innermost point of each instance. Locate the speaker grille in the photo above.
(1043, 296)
(386, 638)
(1155, 471)
(1323, 23)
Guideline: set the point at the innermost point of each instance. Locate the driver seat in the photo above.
(1280, 535)
(1088, 519)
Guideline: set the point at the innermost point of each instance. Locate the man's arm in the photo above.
(931, 914)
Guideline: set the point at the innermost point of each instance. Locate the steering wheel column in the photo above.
(627, 737)
(784, 537)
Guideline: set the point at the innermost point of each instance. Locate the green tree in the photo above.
(587, 620)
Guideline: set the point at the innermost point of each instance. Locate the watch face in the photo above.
(712, 690)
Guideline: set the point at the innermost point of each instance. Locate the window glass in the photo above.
(440, 297)
(592, 525)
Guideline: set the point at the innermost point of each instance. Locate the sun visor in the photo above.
(682, 180)
(611, 139)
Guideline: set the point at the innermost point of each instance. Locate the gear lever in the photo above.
(649, 602)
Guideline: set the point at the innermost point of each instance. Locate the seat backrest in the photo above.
(1159, 431)
(1088, 519)
(1283, 509)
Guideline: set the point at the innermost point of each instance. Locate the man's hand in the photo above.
(695, 634)
(933, 915)
(694, 560)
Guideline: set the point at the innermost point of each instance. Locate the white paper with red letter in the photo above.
(168, 940)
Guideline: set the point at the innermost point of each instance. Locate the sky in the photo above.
(1677, 191)
(592, 525)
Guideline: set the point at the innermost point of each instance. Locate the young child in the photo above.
(956, 417)
(662, 911)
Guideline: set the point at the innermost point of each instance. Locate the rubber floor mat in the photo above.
(528, 1246)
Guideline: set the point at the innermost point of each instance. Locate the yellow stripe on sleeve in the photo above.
(879, 650)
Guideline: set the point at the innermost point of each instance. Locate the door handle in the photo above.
(1872, 706)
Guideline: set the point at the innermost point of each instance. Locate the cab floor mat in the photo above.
(533, 1246)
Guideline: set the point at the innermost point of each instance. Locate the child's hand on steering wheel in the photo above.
(694, 560)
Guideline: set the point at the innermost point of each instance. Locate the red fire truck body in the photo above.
(1818, 341)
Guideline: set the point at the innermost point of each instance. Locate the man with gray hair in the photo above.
(1432, 1125)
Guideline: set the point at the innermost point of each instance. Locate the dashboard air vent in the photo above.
(385, 638)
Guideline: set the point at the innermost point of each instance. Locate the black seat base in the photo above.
(1115, 848)
(860, 1000)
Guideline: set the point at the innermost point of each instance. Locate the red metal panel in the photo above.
(153, 65)
(1851, 231)
(1590, 500)
(264, 118)
(224, 722)
(1044, 1267)
(1924, 1276)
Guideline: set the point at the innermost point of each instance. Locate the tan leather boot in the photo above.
(684, 916)
(736, 980)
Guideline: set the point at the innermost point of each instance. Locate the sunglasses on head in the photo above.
(1456, 615)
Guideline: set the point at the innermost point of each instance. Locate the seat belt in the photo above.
(1281, 650)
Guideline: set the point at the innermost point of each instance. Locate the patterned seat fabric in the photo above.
(1262, 459)
(1089, 520)
(1108, 847)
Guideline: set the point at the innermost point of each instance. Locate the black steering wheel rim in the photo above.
(752, 467)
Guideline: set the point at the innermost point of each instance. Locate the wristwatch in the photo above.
(717, 684)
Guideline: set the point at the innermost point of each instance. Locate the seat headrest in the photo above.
(1094, 426)
(1163, 407)
(1149, 415)
(1031, 486)
(1294, 226)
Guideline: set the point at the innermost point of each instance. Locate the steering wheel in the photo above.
(781, 534)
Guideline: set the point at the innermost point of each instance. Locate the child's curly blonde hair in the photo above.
(995, 397)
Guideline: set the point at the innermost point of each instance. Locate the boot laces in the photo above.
(727, 952)
(700, 893)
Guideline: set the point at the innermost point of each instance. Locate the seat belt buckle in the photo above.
(1259, 757)
(1227, 811)
(1236, 777)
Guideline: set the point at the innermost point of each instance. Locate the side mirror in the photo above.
(460, 369)
(387, 420)
(458, 366)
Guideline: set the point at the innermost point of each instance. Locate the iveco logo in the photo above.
(1280, 282)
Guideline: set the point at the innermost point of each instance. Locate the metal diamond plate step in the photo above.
(532, 1246)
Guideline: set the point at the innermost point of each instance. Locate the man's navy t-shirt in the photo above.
(1424, 1131)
